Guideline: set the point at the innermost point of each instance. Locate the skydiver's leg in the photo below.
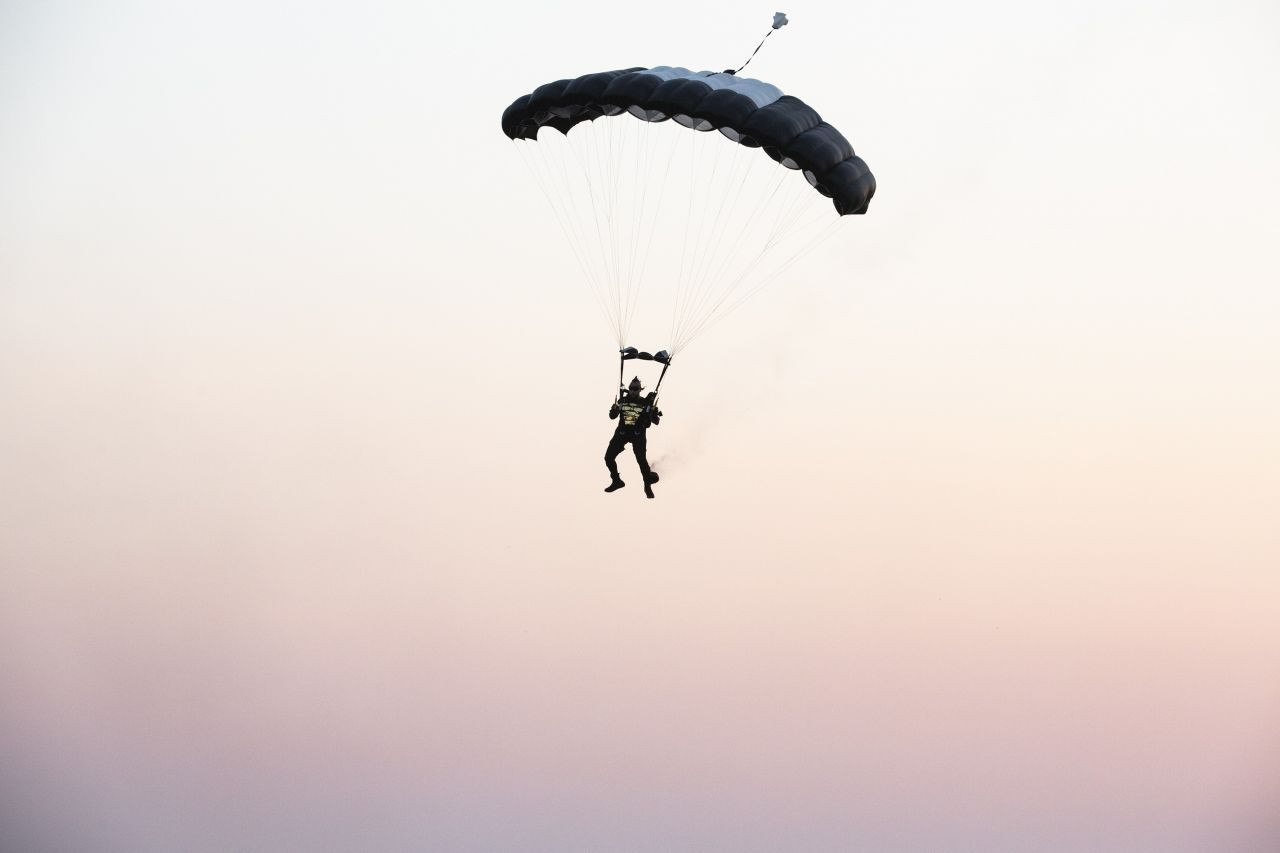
(616, 445)
(639, 445)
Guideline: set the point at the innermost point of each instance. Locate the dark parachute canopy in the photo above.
(606, 184)
(749, 112)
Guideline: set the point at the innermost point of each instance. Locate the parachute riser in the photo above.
(656, 388)
(628, 353)
(622, 361)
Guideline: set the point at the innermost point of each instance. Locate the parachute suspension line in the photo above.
(637, 213)
(612, 156)
(705, 283)
(598, 184)
(688, 261)
(741, 156)
(707, 251)
(648, 141)
(592, 167)
(688, 291)
(579, 147)
(588, 276)
(699, 184)
(556, 162)
(746, 212)
(689, 224)
(786, 209)
(817, 240)
(780, 173)
(662, 190)
(684, 244)
(618, 222)
(628, 215)
(820, 238)
(651, 136)
(580, 221)
(615, 218)
(597, 141)
(703, 247)
(613, 246)
(789, 212)
(713, 272)
(584, 167)
(644, 162)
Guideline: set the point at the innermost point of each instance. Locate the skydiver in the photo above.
(635, 414)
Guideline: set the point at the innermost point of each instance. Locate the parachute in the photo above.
(715, 217)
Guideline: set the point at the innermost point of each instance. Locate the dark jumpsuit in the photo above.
(633, 420)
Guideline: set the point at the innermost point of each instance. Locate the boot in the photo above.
(648, 490)
(615, 484)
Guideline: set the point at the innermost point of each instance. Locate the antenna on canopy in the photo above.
(779, 21)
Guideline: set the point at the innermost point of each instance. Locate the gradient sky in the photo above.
(967, 536)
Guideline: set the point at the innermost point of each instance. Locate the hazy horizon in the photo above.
(967, 534)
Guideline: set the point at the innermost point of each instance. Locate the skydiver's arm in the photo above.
(613, 412)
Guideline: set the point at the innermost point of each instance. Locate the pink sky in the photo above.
(966, 539)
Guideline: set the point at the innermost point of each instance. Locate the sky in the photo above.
(966, 535)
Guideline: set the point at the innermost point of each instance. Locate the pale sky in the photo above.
(966, 538)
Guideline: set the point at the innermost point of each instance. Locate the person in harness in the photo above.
(634, 414)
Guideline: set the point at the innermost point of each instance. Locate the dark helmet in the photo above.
(635, 385)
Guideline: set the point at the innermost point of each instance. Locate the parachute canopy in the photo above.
(702, 213)
(750, 112)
